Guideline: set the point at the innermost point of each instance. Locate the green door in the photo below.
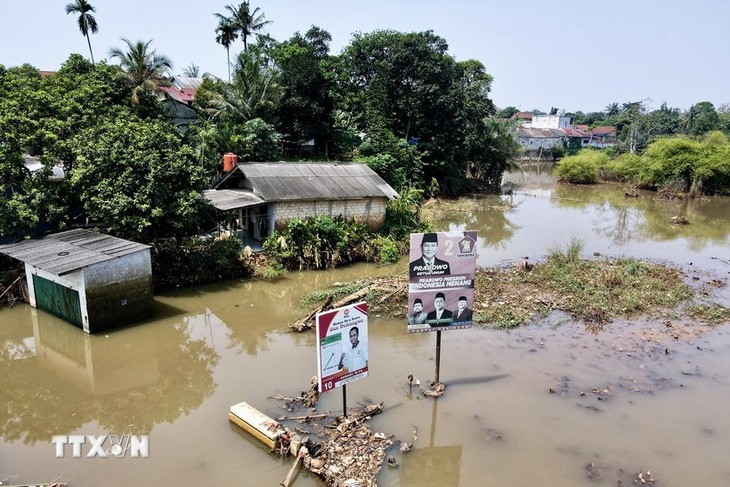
(57, 300)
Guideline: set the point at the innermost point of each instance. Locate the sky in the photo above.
(576, 55)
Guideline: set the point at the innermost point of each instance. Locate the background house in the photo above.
(177, 98)
(265, 196)
(538, 133)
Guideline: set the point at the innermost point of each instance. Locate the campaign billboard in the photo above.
(441, 271)
(342, 345)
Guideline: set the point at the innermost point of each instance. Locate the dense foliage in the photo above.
(679, 164)
(125, 166)
(188, 261)
(637, 126)
(581, 168)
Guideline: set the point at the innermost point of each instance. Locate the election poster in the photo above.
(342, 351)
(441, 273)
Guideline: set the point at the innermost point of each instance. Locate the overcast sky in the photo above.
(570, 54)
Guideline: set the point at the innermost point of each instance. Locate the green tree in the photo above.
(246, 21)
(41, 115)
(226, 34)
(253, 93)
(670, 162)
(306, 107)
(631, 127)
(192, 71)
(405, 84)
(581, 168)
(507, 112)
(723, 115)
(612, 110)
(137, 177)
(87, 22)
(144, 67)
(701, 118)
(664, 121)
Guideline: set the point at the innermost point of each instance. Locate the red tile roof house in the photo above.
(523, 118)
(603, 136)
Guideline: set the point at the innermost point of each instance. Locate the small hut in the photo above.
(265, 196)
(92, 280)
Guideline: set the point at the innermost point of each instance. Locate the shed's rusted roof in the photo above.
(68, 251)
(307, 181)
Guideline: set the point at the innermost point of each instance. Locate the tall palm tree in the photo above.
(143, 66)
(246, 21)
(87, 22)
(226, 33)
(612, 110)
(254, 92)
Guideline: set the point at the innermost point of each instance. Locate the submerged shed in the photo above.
(92, 280)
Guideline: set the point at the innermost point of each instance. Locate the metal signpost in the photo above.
(342, 351)
(441, 283)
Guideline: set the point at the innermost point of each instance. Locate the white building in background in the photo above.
(559, 121)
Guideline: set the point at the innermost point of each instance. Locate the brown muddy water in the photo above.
(552, 404)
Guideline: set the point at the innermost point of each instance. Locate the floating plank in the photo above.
(260, 426)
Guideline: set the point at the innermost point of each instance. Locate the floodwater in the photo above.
(552, 404)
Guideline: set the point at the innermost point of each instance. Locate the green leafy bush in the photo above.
(388, 250)
(318, 243)
(581, 168)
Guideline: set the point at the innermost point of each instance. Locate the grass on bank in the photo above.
(595, 291)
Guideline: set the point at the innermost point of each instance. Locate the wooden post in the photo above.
(344, 400)
(438, 354)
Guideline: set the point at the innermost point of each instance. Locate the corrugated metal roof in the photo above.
(315, 181)
(66, 252)
(228, 199)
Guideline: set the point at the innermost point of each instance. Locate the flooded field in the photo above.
(552, 404)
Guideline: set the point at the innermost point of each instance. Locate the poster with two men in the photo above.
(441, 273)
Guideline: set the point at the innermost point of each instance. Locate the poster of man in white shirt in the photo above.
(342, 353)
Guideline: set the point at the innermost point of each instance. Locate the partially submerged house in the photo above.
(265, 196)
(89, 279)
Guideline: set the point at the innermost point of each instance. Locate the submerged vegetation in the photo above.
(595, 291)
(677, 164)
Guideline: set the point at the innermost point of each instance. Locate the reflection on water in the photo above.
(430, 465)
(66, 378)
(540, 215)
(209, 347)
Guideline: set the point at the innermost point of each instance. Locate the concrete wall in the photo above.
(368, 211)
(119, 291)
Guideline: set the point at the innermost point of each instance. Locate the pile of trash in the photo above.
(343, 451)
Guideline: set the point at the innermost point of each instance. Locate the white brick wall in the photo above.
(369, 211)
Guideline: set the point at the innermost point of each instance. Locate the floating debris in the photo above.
(642, 478)
(435, 389)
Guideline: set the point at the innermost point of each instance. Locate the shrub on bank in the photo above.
(581, 168)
